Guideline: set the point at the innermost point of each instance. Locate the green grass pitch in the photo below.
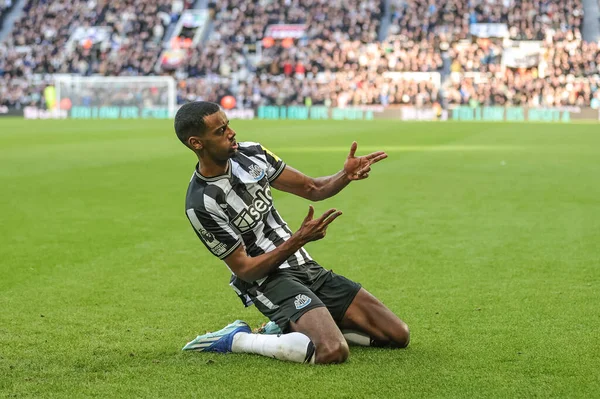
(484, 238)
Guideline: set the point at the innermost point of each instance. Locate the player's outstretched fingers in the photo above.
(378, 157)
(374, 154)
(331, 218)
(326, 215)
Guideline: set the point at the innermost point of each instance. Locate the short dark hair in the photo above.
(189, 120)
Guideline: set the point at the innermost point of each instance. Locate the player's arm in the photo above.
(254, 268)
(213, 228)
(320, 188)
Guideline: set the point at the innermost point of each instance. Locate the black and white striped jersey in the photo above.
(236, 209)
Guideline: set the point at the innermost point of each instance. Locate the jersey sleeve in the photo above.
(212, 227)
(275, 165)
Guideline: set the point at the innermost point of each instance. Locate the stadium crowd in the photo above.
(571, 78)
(338, 62)
(107, 38)
(527, 19)
(128, 42)
(342, 89)
(331, 20)
(525, 90)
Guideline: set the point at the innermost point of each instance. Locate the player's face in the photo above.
(219, 139)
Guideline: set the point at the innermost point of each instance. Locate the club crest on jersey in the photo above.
(301, 301)
(248, 218)
(256, 172)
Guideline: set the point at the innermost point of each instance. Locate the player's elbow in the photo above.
(244, 267)
(248, 276)
(244, 271)
(251, 272)
(312, 191)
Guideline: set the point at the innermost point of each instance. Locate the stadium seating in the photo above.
(527, 19)
(134, 29)
(245, 20)
(338, 62)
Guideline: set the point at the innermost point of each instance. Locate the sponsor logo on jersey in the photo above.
(301, 301)
(248, 218)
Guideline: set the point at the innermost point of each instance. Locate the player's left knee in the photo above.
(401, 337)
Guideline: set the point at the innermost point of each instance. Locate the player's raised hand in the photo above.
(315, 229)
(358, 168)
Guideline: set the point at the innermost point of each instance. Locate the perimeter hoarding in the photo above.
(524, 114)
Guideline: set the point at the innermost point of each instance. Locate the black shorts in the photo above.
(289, 293)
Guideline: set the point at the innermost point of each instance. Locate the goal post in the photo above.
(116, 97)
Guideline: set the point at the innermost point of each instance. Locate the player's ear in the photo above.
(195, 143)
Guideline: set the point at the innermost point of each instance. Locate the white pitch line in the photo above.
(404, 148)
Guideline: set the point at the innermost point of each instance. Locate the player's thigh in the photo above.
(284, 299)
(337, 293)
(368, 315)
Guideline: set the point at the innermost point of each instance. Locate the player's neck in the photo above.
(210, 168)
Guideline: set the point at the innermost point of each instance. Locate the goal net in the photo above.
(116, 97)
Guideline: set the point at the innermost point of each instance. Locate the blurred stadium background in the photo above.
(482, 235)
(401, 59)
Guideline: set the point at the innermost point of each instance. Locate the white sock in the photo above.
(294, 347)
(357, 338)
